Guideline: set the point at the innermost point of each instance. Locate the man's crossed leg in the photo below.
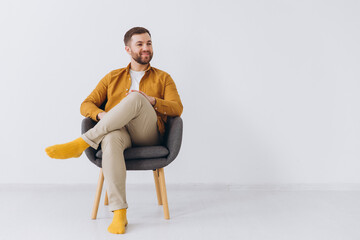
(131, 122)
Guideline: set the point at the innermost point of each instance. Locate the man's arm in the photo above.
(171, 104)
(90, 106)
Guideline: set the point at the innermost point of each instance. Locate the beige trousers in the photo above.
(131, 122)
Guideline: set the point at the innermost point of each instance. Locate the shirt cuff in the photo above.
(94, 115)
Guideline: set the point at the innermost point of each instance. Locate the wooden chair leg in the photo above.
(157, 186)
(163, 193)
(106, 202)
(97, 195)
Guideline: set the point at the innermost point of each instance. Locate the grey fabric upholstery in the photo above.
(144, 158)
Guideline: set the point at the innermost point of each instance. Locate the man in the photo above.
(139, 99)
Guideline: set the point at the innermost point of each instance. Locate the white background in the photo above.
(270, 88)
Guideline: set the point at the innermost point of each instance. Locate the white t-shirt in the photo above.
(135, 79)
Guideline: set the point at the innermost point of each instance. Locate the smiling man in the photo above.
(138, 99)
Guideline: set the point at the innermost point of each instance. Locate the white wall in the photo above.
(270, 88)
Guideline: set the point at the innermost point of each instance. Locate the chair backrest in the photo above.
(102, 106)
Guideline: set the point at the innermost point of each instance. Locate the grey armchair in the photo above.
(142, 158)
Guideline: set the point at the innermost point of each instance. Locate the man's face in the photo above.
(140, 48)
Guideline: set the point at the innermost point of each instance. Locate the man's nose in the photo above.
(146, 47)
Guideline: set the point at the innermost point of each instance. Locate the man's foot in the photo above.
(119, 222)
(67, 150)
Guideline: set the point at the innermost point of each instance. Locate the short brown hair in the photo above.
(133, 31)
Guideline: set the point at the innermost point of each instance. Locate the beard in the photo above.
(143, 60)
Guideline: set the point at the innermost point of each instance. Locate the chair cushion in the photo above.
(142, 152)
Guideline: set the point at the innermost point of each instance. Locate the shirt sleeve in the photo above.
(90, 106)
(171, 104)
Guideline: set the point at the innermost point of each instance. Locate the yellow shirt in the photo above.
(114, 86)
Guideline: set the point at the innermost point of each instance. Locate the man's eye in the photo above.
(149, 43)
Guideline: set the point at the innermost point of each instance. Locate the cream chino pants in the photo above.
(133, 121)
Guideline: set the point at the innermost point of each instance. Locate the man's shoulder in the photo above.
(117, 72)
(160, 72)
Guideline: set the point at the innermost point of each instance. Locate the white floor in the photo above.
(196, 212)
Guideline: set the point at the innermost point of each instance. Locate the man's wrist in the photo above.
(97, 116)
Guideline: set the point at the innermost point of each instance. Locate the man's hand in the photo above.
(152, 100)
(101, 115)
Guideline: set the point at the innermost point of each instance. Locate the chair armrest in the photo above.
(173, 137)
(86, 124)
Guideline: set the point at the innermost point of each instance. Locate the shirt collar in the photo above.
(128, 68)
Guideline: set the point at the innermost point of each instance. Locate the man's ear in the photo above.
(127, 49)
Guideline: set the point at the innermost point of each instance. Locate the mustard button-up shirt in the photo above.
(114, 86)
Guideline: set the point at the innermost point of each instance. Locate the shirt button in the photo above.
(127, 89)
(164, 112)
(156, 108)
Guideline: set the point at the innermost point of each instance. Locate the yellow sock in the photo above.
(67, 150)
(119, 222)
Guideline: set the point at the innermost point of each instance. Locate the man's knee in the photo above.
(137, 97)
